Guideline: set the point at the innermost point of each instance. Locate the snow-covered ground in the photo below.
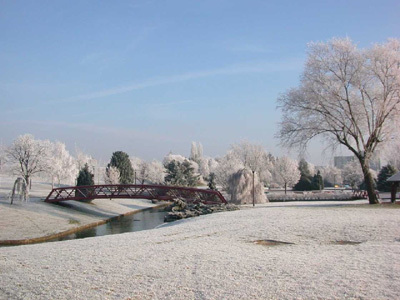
(215, 257)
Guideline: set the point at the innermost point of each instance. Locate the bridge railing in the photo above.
(135, 191)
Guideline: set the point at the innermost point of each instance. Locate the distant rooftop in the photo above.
(395, 177)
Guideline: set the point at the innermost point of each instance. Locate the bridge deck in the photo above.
(135, 191)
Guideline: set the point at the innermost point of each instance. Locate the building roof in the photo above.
(395, 177)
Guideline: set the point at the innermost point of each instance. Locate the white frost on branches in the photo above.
(331, 174)
(353, 174)
(241, 188)
(82, 159)
(62, 166)
(287, 171)
(227, 166)
(196, 152)
(149, 172)
(111, 175)
(156, 172)
(27, 156)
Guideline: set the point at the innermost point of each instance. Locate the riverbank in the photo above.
(37, 221)
(338, 250)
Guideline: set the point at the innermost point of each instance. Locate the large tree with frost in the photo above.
(152, 172)
(155, 172)
(349, 96)
(27, 156)
(62, 165)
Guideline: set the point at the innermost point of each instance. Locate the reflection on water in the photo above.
(143, 220)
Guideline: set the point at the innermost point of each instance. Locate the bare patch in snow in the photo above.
(346, 243)
(271, 243)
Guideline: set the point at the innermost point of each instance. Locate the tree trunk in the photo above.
(369, 183)
(393, 192)
(28, 182)
(285, 188)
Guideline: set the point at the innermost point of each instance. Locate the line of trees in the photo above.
(243, 172)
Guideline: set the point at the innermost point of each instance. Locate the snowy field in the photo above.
(215, 257)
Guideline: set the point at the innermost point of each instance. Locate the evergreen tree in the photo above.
(85, 177)
(304, 183)
(386, 172)
(317, 182)
(181, 174)
(211, 182)
(121, 161)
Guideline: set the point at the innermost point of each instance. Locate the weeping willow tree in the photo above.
(20, 188)
(245, 187)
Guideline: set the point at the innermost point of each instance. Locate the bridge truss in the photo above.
(135, 191)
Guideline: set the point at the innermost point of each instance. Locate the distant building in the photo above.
(340, 161)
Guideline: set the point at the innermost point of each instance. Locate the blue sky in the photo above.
(149, 77)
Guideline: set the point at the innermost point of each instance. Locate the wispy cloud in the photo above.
(116, 54)
(252, 67)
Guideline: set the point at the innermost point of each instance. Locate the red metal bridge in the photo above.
(135, 191)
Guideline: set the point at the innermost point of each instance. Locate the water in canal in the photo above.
(146, 219)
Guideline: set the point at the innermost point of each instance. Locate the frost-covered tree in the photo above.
(27, 156)
(196, 152)
(139, 168)
(181, 174)
(349, 97)
(212, 164)
(111, 175)
(253, 157)
(151, 172)
(331, 175)
(352, 174)
(179, 158)
(392, 150)
(245, 188)
(170, 157)
(136, 162)
(82, 159)
(204, 167)
(62, 165)
(2, 158)
(156, 172)
(287, 172)
(227, 166)
(120, 160)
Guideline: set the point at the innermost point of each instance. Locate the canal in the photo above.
(143, 220)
